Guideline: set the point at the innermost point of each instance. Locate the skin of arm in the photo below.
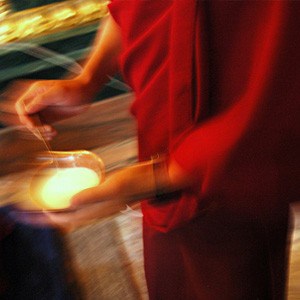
(124, 187)
(66, 97)
(53, 100)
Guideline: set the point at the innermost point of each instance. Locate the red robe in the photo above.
(217, 86)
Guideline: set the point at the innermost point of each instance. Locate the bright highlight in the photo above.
(62, 184)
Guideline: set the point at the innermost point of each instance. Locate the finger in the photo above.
(41, 220)
(27, 134)
(32, 122)
(23, 116)
(48, 130)
(36, 219)
(63, 221)
(34, 99)
(45, 132)
(48, 136)
(37, 104)
(86, 214)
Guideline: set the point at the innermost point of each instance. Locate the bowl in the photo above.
(59, 176)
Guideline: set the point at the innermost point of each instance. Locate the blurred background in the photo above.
(47, 39)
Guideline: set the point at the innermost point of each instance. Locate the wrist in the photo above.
(161, 179)
(86, 84)
(168, 175)
(84, 79)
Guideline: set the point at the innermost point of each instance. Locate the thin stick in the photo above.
(40, 135)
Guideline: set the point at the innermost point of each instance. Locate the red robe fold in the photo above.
(217, 86)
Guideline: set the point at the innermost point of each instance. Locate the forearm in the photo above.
(136, 182)
(103, 60)
(147, 179)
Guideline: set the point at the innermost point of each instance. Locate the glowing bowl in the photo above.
(61, 175)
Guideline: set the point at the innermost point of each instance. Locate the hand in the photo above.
(67, 220)
(122, 188)
(51, 100)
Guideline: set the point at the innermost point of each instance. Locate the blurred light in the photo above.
(4, 28)
(51, 18)
(4, 9)
(64, 14)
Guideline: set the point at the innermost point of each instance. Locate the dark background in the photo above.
(17, 65)
(18, 5)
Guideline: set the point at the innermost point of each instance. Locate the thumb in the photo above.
(32, 94)
(52, 96)
(36, 105)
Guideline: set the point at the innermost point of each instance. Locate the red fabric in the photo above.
(217, 86)
(238, 131)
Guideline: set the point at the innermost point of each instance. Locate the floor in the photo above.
(108, 258)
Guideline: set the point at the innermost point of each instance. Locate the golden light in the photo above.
(51, 18)
(64, 14)
(6, 32)
(28, 26)
(4, 28)
(60, 185)
(60, 176)
(88, 8)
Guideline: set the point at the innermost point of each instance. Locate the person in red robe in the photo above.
(216, 88)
